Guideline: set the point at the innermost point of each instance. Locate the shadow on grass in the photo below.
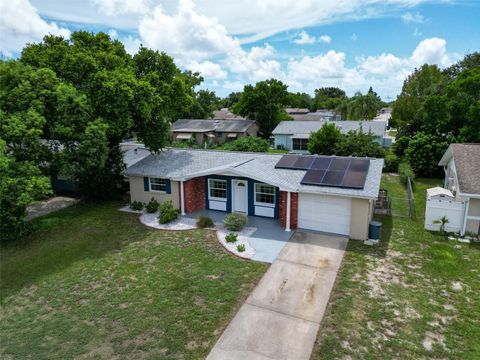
(83, 231)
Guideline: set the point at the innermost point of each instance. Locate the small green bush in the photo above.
(405, 171)
(241, 247)
(231, 238)
(204, 222)
(168, 213)
(152, 206)
(391, 162)
(136, 205)
(235, 222)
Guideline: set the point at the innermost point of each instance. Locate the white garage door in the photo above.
(324, 213)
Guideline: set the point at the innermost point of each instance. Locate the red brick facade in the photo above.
(293, 209)
(194, 191)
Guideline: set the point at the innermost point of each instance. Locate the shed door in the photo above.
(324, 213)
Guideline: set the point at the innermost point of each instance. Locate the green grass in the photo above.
(392, 133)
(94, 282)
(277, 151)
(397, 192)
(392, 298)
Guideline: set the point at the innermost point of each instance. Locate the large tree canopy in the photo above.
(264, 103)
(66, 104)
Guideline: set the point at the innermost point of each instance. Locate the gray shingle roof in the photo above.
(467, 163)
(200, 125)
(177, 164)
(306, 127)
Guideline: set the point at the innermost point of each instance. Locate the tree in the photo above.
(204, 104)
(247, 143)
(424, 151)
(359, 143)
(21, 182)
(329, 97)
(264, 103)
(325, 140)
(363, 107)
(231, 99)
(300, 100)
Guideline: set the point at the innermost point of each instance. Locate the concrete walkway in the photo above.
(281, 317)
(45, 207)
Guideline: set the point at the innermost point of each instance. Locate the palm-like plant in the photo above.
(442, 221)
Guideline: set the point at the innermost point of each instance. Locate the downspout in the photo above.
(465, 214)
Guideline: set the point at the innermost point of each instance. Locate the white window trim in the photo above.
(257, 203)
(157, 191)
(214, 197)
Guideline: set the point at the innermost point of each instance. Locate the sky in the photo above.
(351, 44)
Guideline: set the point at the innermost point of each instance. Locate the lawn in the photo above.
(413, 296)
(93, 282)
(392, 133)
(397, 193)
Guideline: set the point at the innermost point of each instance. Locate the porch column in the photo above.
(287, 220)
(182, 198)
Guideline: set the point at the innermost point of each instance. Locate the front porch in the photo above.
(268, 240)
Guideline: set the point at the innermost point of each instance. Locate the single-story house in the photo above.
(212, 131)
(305, 115)
(293, 135)
(297, 111)
(225, 114)
(459, 199)
(338, 199)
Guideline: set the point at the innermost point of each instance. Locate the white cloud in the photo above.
(233, 85)
(354, 37)
(413, 18)
(208, 70)
(113, 33)
(254, 65)
(186, 34)
(21, 24)
(431, 51)
(304, 38)
(384, 64)
(118, 7)
(325, 39)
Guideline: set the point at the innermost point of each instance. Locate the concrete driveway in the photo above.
(281, 317)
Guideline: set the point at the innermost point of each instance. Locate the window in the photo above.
(300, 144)
(217, 189)
(265, 194)
(157, 184)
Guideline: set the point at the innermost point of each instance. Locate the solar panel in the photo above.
(339, 164)
(313, 177)
(321, 162)
(287, 161)
(359, 164)
(333, 178)
(354, 179)
(304, 162)
(332, 171)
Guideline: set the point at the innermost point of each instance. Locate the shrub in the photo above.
(168, 213)
(235, 222)
(204, 222)
(248, 143)
(391, 162)
(241, 247)
(405, 171)
(136, 205)
(231, 238)
(152, 206)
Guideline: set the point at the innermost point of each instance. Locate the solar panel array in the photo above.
(333, 171)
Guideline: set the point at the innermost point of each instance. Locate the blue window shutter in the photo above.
(168, 186)
(146, 185)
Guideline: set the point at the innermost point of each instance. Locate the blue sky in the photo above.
(307, 44)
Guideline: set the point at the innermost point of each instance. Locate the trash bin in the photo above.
(374, 230)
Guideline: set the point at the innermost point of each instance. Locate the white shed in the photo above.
(441, 202)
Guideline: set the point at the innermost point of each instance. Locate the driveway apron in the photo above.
(281, 317)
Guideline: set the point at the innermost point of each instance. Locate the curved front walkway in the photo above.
(268, 240)
(281, 317)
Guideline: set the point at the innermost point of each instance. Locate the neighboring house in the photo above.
(224, 113)
(253, 184)
(133, 152)
(293, 135)
(459, 200)
(212, 131)
(297, 111)
(302, 115)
